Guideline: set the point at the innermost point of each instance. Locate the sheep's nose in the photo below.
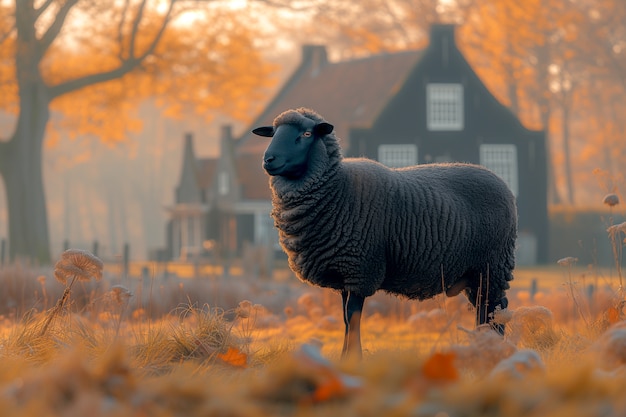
(268, 159)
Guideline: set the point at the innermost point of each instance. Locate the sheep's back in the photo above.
(443, 220)
(369, 227)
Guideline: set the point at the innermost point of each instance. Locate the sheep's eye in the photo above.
(306, 134)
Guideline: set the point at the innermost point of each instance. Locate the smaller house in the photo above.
(220, 205)
(412, 107)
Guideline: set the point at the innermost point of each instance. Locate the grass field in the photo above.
(240, 346)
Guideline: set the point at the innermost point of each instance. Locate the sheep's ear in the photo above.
(266, 131)
(323, 129)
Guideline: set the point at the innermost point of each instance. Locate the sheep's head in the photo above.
(293, 135)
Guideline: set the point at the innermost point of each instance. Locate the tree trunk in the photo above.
(553, 192)
(567, 154)
(543, 54)
(21, 161)
(21, 171)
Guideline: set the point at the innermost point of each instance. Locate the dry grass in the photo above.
(157, 348)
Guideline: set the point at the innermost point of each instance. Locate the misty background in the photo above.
(116, 192)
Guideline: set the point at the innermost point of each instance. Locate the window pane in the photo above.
(444, 106)
(502, 160)
(397, 156)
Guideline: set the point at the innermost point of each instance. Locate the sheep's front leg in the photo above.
(352, 309)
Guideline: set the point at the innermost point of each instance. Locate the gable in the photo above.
(206, 172)
(187, 190)
(253, 180)
(349, 93)
(443, 69)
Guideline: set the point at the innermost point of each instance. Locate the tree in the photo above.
(558, 64)
(562, 62)
(90, 62)
(527, 46)
(353, 30)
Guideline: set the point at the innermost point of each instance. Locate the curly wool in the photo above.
(354, 224)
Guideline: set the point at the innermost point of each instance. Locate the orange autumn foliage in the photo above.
(196, 69)
(613, 315)
(558, 65)
(440, 367)
(330, 387)
(234, 357)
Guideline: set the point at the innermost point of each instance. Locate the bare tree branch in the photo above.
(397, 23)
(53, 30)
(126, 65)
(42, 8)
(4, 146)
(158, 36)
(120, 29)
(133, 34)
(7, 34)
(81, 82)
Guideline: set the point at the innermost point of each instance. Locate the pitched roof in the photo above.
(253, 180)
(187, 191)
(206, 172)
(347, 93)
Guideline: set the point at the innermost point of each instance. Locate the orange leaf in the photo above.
(234, 357)
(613, 315)
(440, 367)
(331, 388)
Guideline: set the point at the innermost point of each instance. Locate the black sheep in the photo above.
(357, 226)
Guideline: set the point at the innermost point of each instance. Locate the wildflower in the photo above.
(500, 316)
(522, 363)
(616, 228)
(568, 261)
(78, 264)
(75, 264)
(120, 294)
(611, 200)
(533, 327)
(243, 310)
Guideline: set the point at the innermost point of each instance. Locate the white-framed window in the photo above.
(223, 181)
(444, 106)
(502, 160)
(264, 231)
(397, 156)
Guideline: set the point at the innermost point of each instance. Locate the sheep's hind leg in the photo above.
(490, 309)
(487, 306)
(352, 309)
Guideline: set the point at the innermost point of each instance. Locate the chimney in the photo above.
(226, 140)
(227, 132)
(186, 191)
(442, 39)
(314, 56)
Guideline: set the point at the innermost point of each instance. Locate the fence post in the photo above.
(95, 248)
(66, 244)
(3, 249)
(125, 259)
(533, 288)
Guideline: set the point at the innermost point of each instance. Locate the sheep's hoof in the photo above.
(495, 321)
(498, 327)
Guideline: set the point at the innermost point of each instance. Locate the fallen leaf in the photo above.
(613, 315)
(329, 388)
(234, 357)
(330, 383)
(440, 367)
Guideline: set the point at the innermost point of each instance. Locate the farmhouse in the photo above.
(413, 107)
